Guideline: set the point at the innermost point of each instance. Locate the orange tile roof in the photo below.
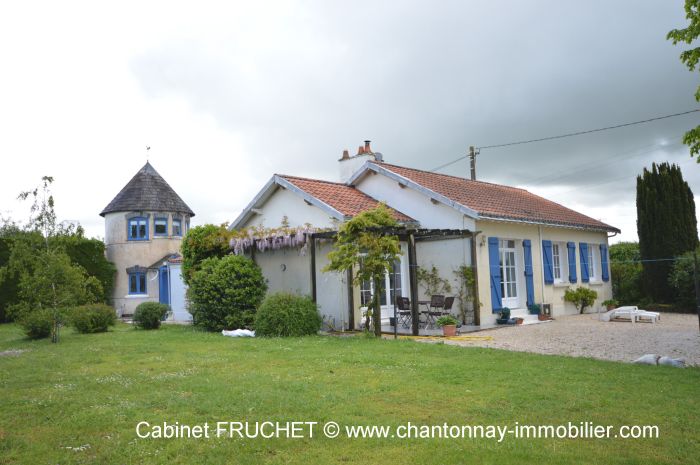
(497, 201)
(346, 199)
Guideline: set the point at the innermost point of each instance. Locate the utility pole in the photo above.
(473, 152)
(697, 285)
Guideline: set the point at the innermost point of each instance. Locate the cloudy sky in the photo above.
(228, 93)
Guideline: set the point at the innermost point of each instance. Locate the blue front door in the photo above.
(164, 286)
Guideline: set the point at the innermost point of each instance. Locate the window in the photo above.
(592, 269)
(509, 274)
(137, 283)
(559, 261)
(138, 229)
(160, 226)
(556, 262)
(387, 296)
(177, 227)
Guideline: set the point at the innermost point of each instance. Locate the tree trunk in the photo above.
(377, 311)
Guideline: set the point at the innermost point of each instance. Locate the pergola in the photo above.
(411, 237)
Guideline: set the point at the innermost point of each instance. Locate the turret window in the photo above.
(138, 229)
(160, 227)
(177, 227)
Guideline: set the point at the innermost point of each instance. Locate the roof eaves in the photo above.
(604, 228)
(413, 185)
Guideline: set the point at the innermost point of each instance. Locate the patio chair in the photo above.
(403, 306)
(447, 306)
(435, 309)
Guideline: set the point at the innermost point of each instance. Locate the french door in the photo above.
(509, 273)
(392, 287)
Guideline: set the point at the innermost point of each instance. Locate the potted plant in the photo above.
(534, 309)
(503, 316)
(448, 324)
(610, 304)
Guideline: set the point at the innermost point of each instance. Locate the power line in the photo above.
(562, 136)
(579, 133)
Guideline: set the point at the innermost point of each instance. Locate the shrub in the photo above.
(148, 315)
(284, 314)
(200, 243)
(682, 281)
(92, 318)
(37, 324)
(225, 292)
(581, 297)
(446, 320)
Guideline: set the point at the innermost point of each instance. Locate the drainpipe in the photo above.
(539, 232)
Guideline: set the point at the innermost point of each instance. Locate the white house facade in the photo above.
(524, 249)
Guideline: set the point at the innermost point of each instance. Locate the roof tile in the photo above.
(147, 190)
(346, 199)
(498, 201)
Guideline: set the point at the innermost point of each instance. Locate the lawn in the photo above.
(79, 401)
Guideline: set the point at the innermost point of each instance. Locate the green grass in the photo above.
(94, 389)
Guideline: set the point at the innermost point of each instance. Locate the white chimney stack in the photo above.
(350, 164)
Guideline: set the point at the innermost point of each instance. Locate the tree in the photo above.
(44, 278)
(666, 225)
(200, 243)
(682, 281)
(626, 272)
(362, 245)
(225, 293)
(690, 58)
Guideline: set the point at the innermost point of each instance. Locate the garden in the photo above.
(79, 401)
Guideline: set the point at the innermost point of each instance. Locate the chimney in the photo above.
(350, 164)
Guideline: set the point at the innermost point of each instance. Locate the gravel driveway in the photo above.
(675, 335)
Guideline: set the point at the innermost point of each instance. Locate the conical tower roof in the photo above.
(147, 190)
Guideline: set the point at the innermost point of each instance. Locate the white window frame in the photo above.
(504, 248)
(556, 262)
(592, 268)
(563, 253)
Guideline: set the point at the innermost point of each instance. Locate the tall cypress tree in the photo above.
(666, 224)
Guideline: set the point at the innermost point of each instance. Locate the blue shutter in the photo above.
(548, 263)
(583, 249)
(604, 262)
(495, 273)
(529, 284)
(571, 248)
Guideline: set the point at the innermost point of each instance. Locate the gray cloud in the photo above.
(426, 80)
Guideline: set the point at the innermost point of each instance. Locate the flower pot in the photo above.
(610, 307)
(449, 330)
(519, 321)
(542, 317)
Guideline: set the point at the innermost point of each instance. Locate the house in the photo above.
(144, 226)
(522, 248)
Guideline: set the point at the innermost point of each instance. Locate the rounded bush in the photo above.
(284, 314)
(148, 315)
(92, 318)
(37, 324)
(225, 292)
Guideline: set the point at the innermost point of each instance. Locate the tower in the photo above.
(144, 227)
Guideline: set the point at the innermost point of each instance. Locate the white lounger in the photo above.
(634, 314)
